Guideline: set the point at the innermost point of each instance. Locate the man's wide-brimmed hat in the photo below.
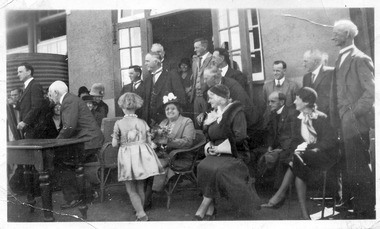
(97, 89)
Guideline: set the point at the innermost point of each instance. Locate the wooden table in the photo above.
(40, 152)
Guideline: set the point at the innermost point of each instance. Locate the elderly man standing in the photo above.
(158, 84)
(221, 57)
(79, 123)
(318, 77)
(353, 94)
(200, 62)
(158, 48)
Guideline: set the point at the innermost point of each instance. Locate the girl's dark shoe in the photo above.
(209, 217)
(197, 218)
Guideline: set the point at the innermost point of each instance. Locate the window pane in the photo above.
(223, 36)
(125, 58)
(136, 56)
(125, 77)
(249, 18)
(234, 19)
(125, 13)
(235, 38)
(222, 19)
(236, 57)
(254, 17)
(256, 62)
(256, 37)
(124, 38)
(135, 36)
(251, 44)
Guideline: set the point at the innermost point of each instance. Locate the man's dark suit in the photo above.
(322, 86)
(79, 123)
(129, 88)
(238, 76)
(154, 93)
(280, 137)
(29, 106)
(139, 90)
(352, 100)
(289, 88)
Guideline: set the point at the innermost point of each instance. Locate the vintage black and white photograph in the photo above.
(254, 114)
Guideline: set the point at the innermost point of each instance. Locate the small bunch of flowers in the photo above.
(160, 134)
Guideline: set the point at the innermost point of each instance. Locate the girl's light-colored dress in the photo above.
(136, 158)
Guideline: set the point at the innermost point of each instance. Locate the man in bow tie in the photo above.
(352, 101)
(136, 85)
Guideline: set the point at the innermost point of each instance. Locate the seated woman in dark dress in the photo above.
(314, 143)
(223, 172)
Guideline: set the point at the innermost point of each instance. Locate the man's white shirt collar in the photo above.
(26, 83)
(316, 71)
(281, 81)
(61, 99)
(224, 70)
(279, 111)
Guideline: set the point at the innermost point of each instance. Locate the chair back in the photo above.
(107, 127)
(108, 154)
(183, 160)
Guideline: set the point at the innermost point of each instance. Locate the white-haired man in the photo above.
(353, 101)
(77, 122)
(158, 48)
(318, 77)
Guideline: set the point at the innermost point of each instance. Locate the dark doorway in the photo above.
(177, 32)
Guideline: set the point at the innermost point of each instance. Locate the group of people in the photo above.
(296, 135)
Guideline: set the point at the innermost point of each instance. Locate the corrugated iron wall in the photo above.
(47, 69)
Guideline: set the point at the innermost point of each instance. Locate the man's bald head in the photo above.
(56, 90)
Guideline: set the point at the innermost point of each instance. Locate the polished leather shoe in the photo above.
(72, 204)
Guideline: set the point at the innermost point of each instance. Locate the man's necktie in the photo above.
(278, 83)
(312, 77)
(200, 62)
(154, 76)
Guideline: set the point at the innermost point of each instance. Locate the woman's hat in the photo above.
(88, 98)
(97, 89)
(184, 61)
(170, 99)
(221, 90)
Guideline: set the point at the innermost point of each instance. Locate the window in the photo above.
(130, 15)
(130, 51)
(255, 45)
(229, 34)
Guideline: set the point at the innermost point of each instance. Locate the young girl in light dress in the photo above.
(136, 158)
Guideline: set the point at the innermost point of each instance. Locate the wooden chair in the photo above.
(98, 172)
(184, 168)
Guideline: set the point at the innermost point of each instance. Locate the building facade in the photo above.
(100, 45)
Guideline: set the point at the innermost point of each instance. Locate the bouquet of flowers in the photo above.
(160, 136)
